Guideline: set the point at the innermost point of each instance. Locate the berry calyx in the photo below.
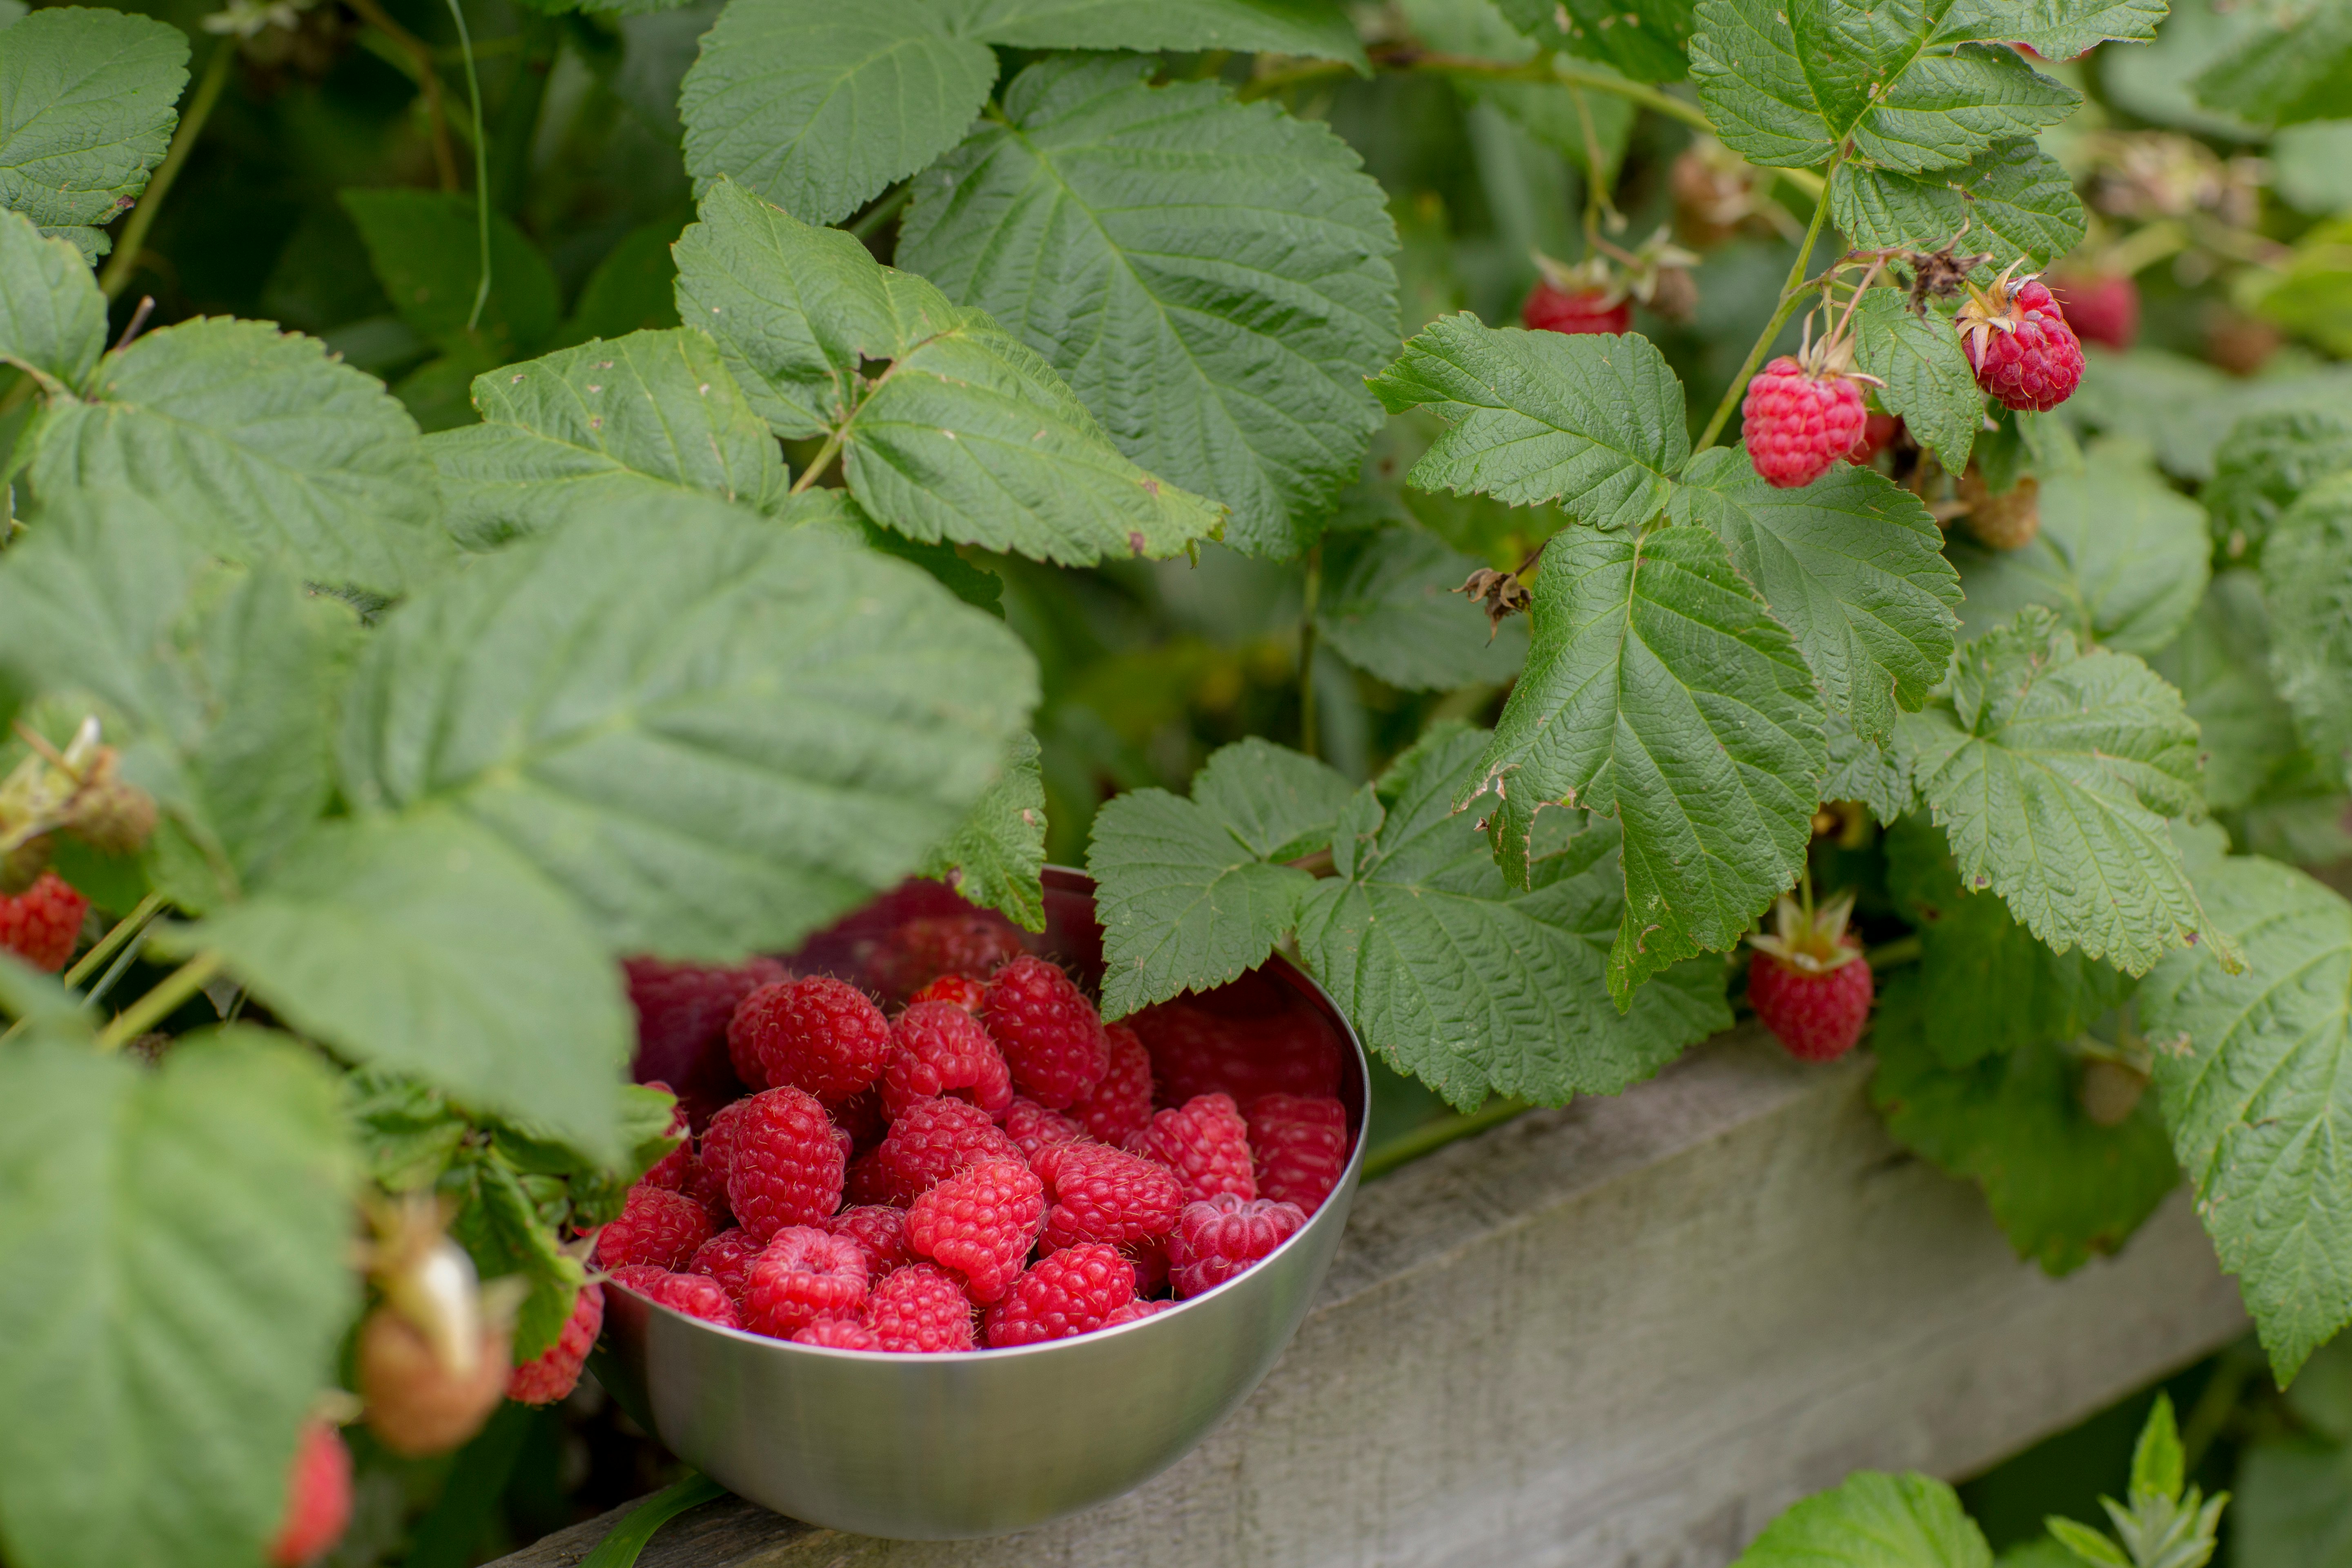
(1586, 297)
(1808, 983)
(2018, 344)
(1802, 415)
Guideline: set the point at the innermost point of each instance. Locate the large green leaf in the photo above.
(1592, 422)
(2253, 1071)
(2010, 201)
(261, 445)
(640, 418)
(1310, 28)
(426, 249)
(995, 857)
(174, 1274)
(1468, 985)
(52, 317)
(716, 736)
(1211, 277)
(2220, 663)
(1390, 605)
(2262, 465)
(2307, 578)
(85, 98)
(2055, 29)
(1929, 383)
(2297, 68)
(1876, 775)
(1660, 691)
(1873, 1520)
(1851, 564)
(962, 432)
(2052, 771)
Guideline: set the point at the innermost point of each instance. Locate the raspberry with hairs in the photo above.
(1135, 1311)
(837, 1334)
(555, 1372)
(1300, 1146)
(980, 1223)
(861, 1117)
(923, 1309)
(1799, 420)
(785, 1166)
(816, 1032)
(1120, 1105)
(1245, 1047)
(880, 1231)
(695, 1295)
(962, 990)
(801, 1276)
(2018, 344)
(1049, 1033)
(1034, 1129)
(931, 1140)
(656, 1225)
(1206, 1143)
(919, 950)
(682, 1012)
(1808, 983)
(1218, 1237)
(937, 1049)
(1073, 1291)
(727, 1258)
(717, 1151)
(1100, 1194)
(41, 925)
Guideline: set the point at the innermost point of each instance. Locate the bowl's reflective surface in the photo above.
(943, 1447)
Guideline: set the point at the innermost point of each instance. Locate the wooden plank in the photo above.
(1619, 1335)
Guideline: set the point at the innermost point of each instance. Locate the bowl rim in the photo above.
(1076, 880)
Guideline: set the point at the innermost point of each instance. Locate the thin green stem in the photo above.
(160, 1003)
(134, 237)
(818, 464)
(1792, 294)
(881, 212)
(127, 927)
(1430, 1136)
(1311, 592)
(481, 166)
(1894, 954)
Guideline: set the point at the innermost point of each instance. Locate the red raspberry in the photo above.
(727, 1257)
(641, 1278)
(657, 1226)
(717, 1151)
(1301, 1147)
(1551, 309)
(1808, 983)
(919, 950)
(1206, 1143)
(695, 1295)
(682, 1013)
(1799, 422)
(1217, 1239)
(962, 990)
(981, 1223)
(2102, 307)
(1034, 1129)
(2018, 339)
(1050, 1034)
(708, 1188)
(1101, 1193)
(1134, 1312)
(785, 1166)
(554, 1372)
(937, 1048)
(801, 1276)
(879, 1231)
(41, 925)
(861, 1117)
(931, 1140)
(318, 1497)
(819, 1034)
(838, 1334)
(1150, 1260)
(1120, 1105)
(1200, 1048)
(672, 1169)
(1877, 430)
(1074, 1291)
(923, 1309)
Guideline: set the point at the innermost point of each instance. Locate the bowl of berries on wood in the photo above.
(946, 1255)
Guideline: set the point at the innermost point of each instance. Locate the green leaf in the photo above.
(816, 106)
(2307, 578)
(36, 997)
(1878, 776)
(2121, 557)
(1185, 890)
(426, 248)
(2157, 1459)
(1857, 78)
(1644, 39)
(52, 317)
(2055, 29)
(2053, 771)
(422, 944)
(2253, 1067)
(1391, 607)
(1472, 988)
(2087, 1545)
(174, 1273)
(2014, 198)
(716, 737)
(85, 98)
(261, 447)
(1873, 1520)
(502, 1230)
(1851, 564)
(2296, 69)
(1929, 382)
(967, 434)
(976, 586)
(1212, 277)
(2262, 465)
(632, 420)
(995, 857)
(2220, 663)
(1594, 422)
(1660, 691)
(1314, 29)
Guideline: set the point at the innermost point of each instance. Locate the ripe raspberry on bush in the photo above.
(1877, 431)
(962, 990)
(682, 1012)
(1034, 1129)
(41, 925)
(931, 1140)
(2018, 344)
(1048, 1033)
(318, 1498)
(555, 1372)
(937, 1048)
(785, 1166)
(919, 950)
(837, 1333)
(1244, 1039)
(1586, 297)
(801, 1276)
(727, 1258)
(1808, 982)
(695, 1295)
(1300, 1145)
(816, 1032)
(656, 1225)
(922, 1309)
(1206, 1143)
(980, 1223)
(1100, 1194)
(2102, 307)
(1120, 1105)
(1801, 415)
(879, 1231)
(1073, 1291)
(1217, 1238)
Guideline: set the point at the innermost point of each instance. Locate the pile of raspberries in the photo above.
(993, 1166)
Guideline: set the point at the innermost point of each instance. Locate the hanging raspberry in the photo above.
(2018, 341)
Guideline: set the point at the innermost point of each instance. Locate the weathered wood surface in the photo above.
(1619, 1335)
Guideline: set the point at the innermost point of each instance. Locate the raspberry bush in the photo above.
(518, 510)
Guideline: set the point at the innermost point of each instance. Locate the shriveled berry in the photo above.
(2019, 345)
(1206, 1143)
(1204, 1046)
(962, 990)
(837, 1334)
(682, 1012)
(1218, 1237)
(695, 1295)
(922, 1309)
(919, 950)
(785, 1167)
(554, 1372)
(980, 1223)
(1097, 1193)
(880, 1231)
(727, 1258)
(41, 925)
(418, 1404)
(1049, 1033)
(656, 1225)
(937, 1049)
(801, 1276)
(1074, 1291)
(930, 1140)
(1550, 310)
(318, 1498)
(1120, 1105)
(1300, 1146)
(1797, 422)
(816, 1032)
(1034, 1129)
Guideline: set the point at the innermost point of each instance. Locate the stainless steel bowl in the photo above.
(937, 1448)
